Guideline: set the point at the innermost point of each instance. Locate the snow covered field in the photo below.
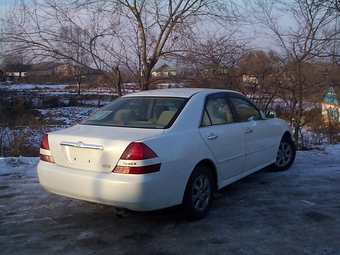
(26, 138)
(62, 117)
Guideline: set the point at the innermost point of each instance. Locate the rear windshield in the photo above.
(138, 112)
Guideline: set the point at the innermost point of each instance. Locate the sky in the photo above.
(4, 6)
(262, 42)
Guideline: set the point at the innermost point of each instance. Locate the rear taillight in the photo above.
(138, 158)
(45, 153)
(44, 142)
(138, 151)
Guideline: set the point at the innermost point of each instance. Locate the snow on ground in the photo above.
(26, 166)
(68, 115)
(54, 118)
(290, 212)
(51, 87)
(61, 88)
(25, 86)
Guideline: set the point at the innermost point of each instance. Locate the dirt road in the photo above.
(292, 212)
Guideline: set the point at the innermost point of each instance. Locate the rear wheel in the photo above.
(198, 193)
(285, 154)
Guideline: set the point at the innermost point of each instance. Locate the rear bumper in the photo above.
(135, 192)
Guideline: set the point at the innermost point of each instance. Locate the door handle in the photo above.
(248, 131)
(212, 137)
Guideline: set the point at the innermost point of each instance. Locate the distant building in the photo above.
(16, 73)
(213, 70)
(164, 71)
(250, 79)
(170, 85)
(132, 86)
(330, 106)
(43, 69)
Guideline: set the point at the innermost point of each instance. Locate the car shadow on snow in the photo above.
(228, 195)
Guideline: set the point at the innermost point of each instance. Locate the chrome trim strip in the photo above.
(80, 144)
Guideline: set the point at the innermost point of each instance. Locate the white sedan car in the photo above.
(160, 148)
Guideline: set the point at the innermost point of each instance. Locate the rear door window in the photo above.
(217, 111)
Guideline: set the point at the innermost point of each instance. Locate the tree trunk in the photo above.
(78, 81)
(147, 74)
(299, 109)
(118, 80)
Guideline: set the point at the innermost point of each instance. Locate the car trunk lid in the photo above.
(94, 148)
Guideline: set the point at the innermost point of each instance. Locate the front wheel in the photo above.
(285, 155)
(198, 193)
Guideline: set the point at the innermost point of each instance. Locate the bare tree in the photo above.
(213, 62)
(75, 53)
(332, 4)
(306, 39)
(134, 34)
(163, 27)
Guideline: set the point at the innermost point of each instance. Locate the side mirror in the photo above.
(270, 114)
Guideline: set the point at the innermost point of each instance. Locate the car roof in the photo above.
(176, 92)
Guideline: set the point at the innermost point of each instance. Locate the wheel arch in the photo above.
(288, 134)
(285, 157)
(213, 170)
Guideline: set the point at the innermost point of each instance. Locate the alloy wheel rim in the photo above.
(284, 154)
(201, 193)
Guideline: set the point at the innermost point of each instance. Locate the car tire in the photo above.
(198, 194)
(285, 155)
